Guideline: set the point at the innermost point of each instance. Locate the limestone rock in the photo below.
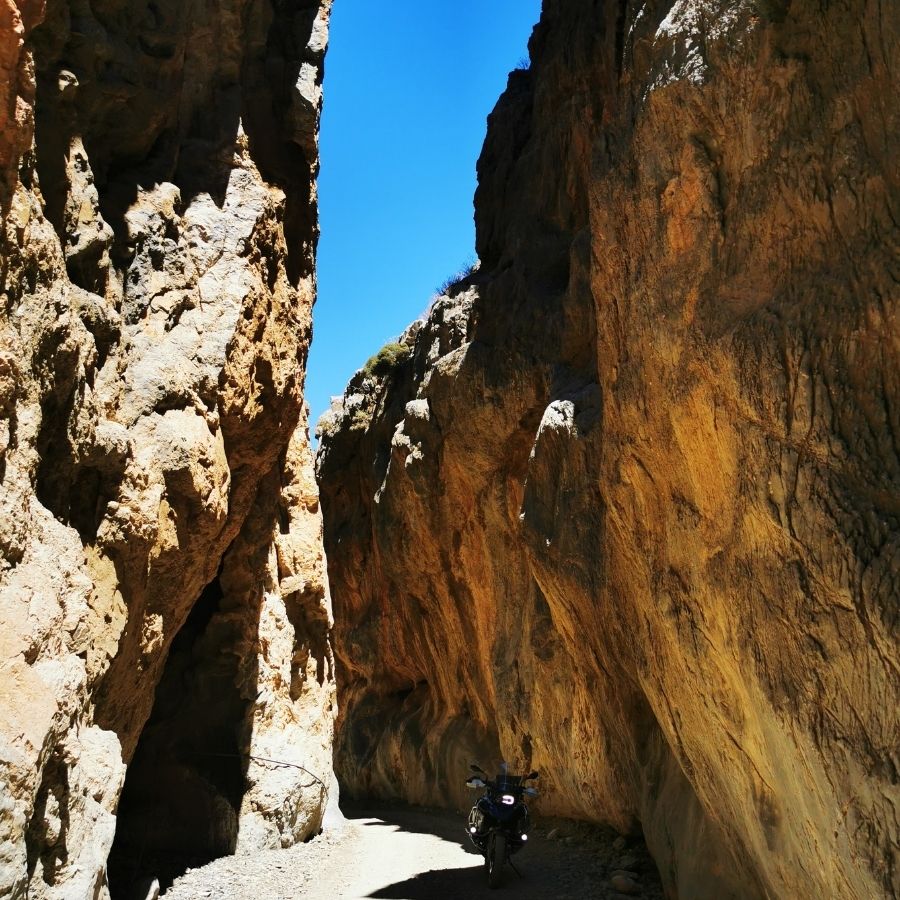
(624, 885)
(156, 283)
(646, 538)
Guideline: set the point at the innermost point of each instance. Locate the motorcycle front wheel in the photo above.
(496, 857)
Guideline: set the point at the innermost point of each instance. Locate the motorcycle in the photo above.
(499, 821)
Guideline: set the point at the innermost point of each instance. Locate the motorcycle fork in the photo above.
(509, 858)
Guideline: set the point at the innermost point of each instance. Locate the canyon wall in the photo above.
(160, 524)
(625, 508)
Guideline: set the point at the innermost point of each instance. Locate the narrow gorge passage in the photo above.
(620, 506)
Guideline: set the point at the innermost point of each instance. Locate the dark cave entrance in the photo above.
(182, 795)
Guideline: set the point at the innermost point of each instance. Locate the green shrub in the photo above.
(386, 359)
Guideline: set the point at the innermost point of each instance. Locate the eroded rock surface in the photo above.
(157, 182)
(628, 512)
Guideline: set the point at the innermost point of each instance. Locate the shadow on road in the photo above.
(440, 884)
(574, 866)
(442, 823)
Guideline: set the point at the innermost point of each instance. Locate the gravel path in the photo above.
(405, 853)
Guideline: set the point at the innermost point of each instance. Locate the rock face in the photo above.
(160, 519)
(628, 513)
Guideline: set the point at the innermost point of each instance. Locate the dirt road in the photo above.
(414, 854)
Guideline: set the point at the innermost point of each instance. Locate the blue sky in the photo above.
(408, 87)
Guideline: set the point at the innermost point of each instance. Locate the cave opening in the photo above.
(180, 804)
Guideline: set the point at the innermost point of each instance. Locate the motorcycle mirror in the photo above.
(533, 775)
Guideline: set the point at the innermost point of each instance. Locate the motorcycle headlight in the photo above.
(524, 837)
(508, 800)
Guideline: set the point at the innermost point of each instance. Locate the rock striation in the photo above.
(164, 616)
(628, 512)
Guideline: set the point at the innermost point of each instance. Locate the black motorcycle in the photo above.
(498, 823)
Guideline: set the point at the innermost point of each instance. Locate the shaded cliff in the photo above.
(157, 187)
(627, 512)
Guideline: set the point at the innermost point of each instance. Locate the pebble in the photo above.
(619, 843)
(629, 861)
(625, 885)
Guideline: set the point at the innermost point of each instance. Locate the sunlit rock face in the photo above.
(628, 512)
(157, 190)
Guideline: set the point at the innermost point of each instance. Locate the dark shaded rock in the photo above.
(625, 885)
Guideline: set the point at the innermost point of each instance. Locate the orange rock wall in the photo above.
(628, 513)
